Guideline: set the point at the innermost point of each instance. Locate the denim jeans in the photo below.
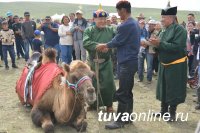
(27, 44)
(126, 82)
(79, 50)
(10, 49)
(57, 48)
(66, 53)
(149, 58)
(19, 47)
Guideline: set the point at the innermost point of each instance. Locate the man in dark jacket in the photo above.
(17, 26)
(127, 42)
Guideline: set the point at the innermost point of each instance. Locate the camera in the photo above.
(46, 24)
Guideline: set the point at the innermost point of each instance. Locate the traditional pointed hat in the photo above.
(100, 12)
(169, 10)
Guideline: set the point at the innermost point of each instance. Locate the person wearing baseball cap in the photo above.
(172, 75)
(149, 54)
(37, 43)
(92, 36)
(78, 27)
(79, 12)
(10, 19)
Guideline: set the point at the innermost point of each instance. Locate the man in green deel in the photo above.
(100, 33)
(172, 77)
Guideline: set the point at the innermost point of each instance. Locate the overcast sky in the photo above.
(182, 4)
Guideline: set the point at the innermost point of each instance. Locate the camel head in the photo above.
(79, 77)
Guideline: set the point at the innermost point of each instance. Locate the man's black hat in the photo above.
(169, 10)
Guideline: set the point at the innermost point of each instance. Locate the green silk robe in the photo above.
(91, 37)
(172, 79)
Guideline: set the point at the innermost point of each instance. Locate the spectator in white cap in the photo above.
(157, 31)
(149, 54)
(77, 29)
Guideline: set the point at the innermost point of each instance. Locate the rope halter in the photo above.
(79, 83)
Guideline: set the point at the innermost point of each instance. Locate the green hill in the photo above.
(41, 9)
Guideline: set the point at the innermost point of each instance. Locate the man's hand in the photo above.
(105, 50)
(155, 41)
(76, 28)
(68, 33)
(142, 43)
(49, 26)
(102, 48)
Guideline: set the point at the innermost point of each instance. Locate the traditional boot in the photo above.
(172, 111)
(164, 109)
(122, 108)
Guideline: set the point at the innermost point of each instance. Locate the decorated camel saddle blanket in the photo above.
(32, 83)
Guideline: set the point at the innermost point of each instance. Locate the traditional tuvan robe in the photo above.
(91, 37)
(172, 78)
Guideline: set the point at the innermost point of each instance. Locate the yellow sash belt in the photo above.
(175, 62)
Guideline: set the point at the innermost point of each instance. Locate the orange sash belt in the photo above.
(175, 62)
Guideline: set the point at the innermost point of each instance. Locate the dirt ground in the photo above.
(15, 118)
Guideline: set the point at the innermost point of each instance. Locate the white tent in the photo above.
(57, 16)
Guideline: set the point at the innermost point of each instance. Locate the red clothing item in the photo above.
(42, 81)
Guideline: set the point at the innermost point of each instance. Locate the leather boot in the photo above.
(163, 110)
(172, 111)
(122, 108)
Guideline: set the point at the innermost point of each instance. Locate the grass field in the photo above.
(15, 118)
(41, 9)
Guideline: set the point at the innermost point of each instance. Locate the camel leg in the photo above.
(80, 124)
(42, 119)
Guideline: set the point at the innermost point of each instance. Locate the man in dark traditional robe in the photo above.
(172, 77)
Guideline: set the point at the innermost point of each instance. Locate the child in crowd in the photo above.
(37, 43)
(8, 40)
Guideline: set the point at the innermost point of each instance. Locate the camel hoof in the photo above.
(49, 129)
(82, 127)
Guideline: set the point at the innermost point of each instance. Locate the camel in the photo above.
(65, 98)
